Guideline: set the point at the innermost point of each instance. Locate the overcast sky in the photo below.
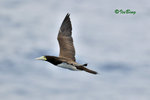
(115, 45)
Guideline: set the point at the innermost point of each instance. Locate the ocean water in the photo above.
(115, 45)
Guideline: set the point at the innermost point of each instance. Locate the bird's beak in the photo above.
(41, 58)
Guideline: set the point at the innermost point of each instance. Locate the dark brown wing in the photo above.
(65, 39)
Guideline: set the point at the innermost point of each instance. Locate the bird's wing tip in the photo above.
(68, 14)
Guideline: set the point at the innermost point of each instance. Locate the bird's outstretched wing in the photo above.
(65, 39)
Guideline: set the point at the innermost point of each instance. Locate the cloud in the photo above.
(117, 46)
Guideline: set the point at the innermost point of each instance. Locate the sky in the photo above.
(114, 45)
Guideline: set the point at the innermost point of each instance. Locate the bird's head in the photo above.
(52, 59)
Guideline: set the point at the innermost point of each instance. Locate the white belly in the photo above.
(67, 66)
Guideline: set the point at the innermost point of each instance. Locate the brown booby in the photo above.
(66, 57)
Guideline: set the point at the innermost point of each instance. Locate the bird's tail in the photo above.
(86, 69)
(90, 71)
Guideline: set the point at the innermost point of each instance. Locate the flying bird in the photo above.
(66, 57)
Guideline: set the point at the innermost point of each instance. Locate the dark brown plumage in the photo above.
(65, 40)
